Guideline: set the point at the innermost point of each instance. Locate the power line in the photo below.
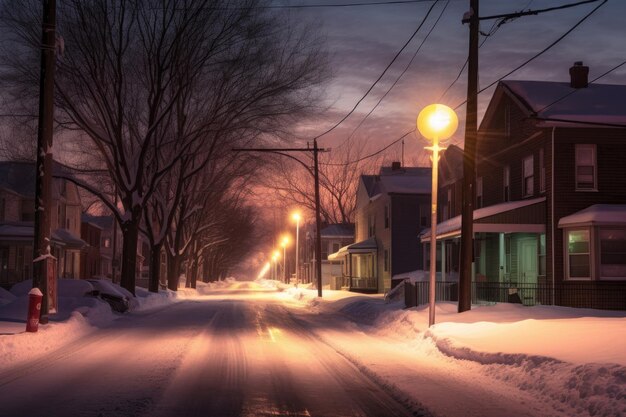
(559, 39)
(492, 31)
(375, 153)
(381, 75)
(400, 76)
(532, 12)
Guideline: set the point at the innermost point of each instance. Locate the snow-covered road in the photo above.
(207, 357)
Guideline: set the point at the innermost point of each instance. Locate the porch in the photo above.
(358, 266)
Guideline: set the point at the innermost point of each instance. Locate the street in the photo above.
(231, 356)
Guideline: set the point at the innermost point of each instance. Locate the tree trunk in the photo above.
(130, 235)
(155, 267)
(194, 273)
(173, 271)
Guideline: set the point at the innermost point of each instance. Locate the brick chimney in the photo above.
(578, 75)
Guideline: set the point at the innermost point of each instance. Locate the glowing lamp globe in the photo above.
(437, 122)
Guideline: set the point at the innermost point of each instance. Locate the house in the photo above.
(391, 209)
(17, 207)
(333, 237)
(90, 260)
(550, 201)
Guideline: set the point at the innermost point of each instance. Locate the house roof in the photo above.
(19, 177)
(103, 222)
(408, 180)
(338, 230)
(364, 246)
(596, 215)
(452, 226)
(558, 103)
(24, 231)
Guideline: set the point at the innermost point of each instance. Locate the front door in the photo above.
(527, 258)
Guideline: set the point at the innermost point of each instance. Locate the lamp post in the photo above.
(435, 122)
(284, 243)
(275, 257)
(296, 216)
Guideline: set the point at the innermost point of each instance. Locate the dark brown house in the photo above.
(550, 203)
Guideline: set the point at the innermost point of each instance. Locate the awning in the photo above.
(596, 215)
(452, 227)
(364, 246)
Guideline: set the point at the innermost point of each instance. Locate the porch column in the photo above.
(443, 261)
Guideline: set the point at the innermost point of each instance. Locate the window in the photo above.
(507, 183)
(612, 253)
(448, 209)
(586, 167)
(386, 263)
(529, 176)
(479, 192)
(371, 226)
(386, 217)
(107, 243)
(424, 216)
(2, 204)
(542, 171)
(578, 255)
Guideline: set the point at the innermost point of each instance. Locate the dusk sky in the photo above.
(363, 40)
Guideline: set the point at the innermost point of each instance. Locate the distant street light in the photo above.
(284, 242)
(296, 216)
(435, 122)
(275, 256)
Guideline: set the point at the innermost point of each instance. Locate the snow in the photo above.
(556, 361)
(597, 214)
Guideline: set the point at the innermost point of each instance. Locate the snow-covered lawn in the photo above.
(570, 361)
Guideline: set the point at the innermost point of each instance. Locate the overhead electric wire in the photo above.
(537, 55)
(373, 154)
(381, 75)
(397, 78)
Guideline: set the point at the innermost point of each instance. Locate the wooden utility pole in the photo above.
(469, 165)
(318, 220)
(41, 231)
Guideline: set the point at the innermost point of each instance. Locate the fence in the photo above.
(591, 294)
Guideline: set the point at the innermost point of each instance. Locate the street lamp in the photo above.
(435, 122)
(296, 216)
(284, 242)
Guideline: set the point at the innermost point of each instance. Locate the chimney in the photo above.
(578, 75)
(395, 166)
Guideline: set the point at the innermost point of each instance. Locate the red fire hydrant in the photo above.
(34, 309)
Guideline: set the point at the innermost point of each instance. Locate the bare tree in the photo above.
(149, 82)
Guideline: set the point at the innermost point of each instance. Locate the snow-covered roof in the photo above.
(597, 103)
(24, 231)
(409, 184)
(103, 222)
(364, 246)
(598, 214)
(453, 225)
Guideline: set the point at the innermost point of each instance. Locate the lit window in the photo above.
(612, 253)
(529, 176)
(586, 167)
(578, 254)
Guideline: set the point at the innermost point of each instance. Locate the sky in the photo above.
(494, 360)
(363, 40)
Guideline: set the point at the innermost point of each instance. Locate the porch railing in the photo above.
(604, 295)
(360, 283)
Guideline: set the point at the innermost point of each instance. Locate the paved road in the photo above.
(213, 357)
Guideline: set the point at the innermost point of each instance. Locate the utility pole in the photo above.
(318, 221)
(469, 165)
(318, 217)
(42, 259)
